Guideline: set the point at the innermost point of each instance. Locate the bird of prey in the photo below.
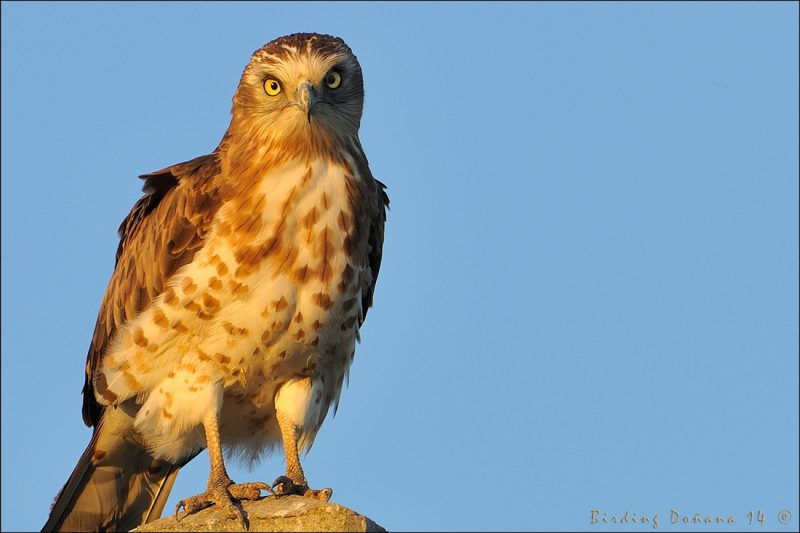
(242, 278)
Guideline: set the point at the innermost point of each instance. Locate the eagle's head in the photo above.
(300, 92)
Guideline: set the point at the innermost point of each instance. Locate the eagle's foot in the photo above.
(226, 497)
(284, 486)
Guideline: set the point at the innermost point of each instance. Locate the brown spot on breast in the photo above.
(298, 317)
(188, 286)
(168, 396)
(237, 288)
(322, 300)
(222, 358)
(222, 269)
(179, 327)
(170, 298)
(299, 335)
(315, 342)
(203, 356)
(214, 283)
(347, 324)
(98, 454)
(171, 374)
(166, 414)
(266, 335)
(281, 304)
(324, 251)
(152, 347)
(101, 386)
(233, 330)
(193, 389)
(203, 379)
(139, 338)
(282, 354)
(316, 325)
(211, 303)
(125, 365)
(299, 274)
(193, 306)
(160, 319)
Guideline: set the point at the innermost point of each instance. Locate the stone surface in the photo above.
(289, 513)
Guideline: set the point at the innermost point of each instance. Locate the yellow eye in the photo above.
(333, 79)
(272, 86)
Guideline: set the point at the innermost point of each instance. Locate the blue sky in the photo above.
(589, 291)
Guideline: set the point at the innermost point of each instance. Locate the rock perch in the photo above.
(289, 513)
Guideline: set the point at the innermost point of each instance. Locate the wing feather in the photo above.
(375, 241)
(163, 231)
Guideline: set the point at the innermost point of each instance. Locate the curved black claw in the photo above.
(191, 505)
(284, 486)
(178, 510)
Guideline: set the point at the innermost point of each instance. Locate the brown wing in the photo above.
(375, 241)
(162, 232)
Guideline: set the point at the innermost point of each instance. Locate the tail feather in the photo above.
(116, 485)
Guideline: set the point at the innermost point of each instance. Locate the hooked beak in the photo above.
(306, 98)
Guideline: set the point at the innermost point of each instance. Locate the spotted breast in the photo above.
(274, 298)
